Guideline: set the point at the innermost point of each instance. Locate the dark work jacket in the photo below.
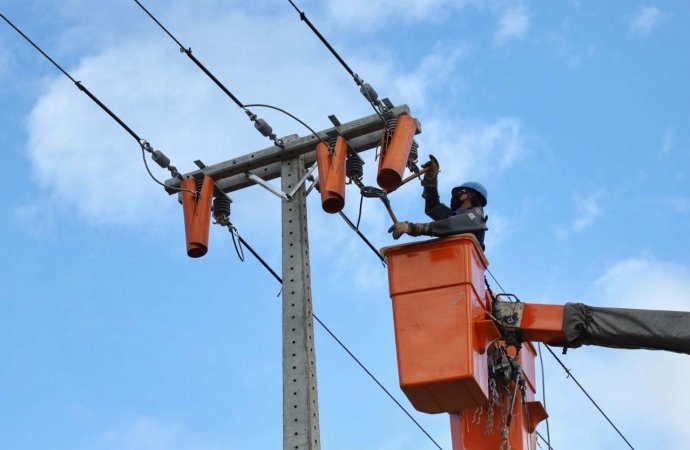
(448, 222)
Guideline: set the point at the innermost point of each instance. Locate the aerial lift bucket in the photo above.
(395, 153)
(197, 214)
(331, 169)
(441, 332)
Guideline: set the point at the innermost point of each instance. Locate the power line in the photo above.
(280, 280)
(260, 124)
(570, 375)
(365, 88)
(156, 155)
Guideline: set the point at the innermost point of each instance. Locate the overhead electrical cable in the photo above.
(344, 347)
(359, 233)
(570, 375)
(156, 155)
(261, 125)
(365, 88)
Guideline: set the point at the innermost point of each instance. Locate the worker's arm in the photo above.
(432, 205)
(469, 221)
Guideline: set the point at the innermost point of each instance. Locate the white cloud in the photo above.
(513, 24)
(473, 149)
(646, 19)
(438, 68)
(587, 210)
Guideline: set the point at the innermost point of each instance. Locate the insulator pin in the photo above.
(159, 158)
(369, 93)
(263, 127)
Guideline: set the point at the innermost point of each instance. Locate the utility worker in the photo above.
(465, 215)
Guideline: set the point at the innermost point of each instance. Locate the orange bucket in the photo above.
(441, 332)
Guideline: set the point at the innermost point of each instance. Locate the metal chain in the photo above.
(493, 401)
(477, 417)
(505, 445)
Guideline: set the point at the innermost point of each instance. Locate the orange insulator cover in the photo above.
(439, 311)
(395, 155)
(331, 169)
(323, 164)
(335, 185)
(197, 215)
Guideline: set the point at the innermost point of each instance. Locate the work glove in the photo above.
(400, 228)
(430, 176)
(413, 229)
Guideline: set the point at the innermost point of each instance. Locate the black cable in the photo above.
(588, 396)
(359, 233)
(280, 280)
(494, 278)
(256, 255)
(356, 77)
(238, 249)
(261, 105)
(543, 392)
(359, 215)
(77, 83)
(146, 164)
(188, 52)
(304, 18)
(83, 88)
(37, 48)
(377, 381)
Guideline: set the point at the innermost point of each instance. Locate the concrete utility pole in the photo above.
(291, 163)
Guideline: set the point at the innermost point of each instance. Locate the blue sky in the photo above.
(574, 114)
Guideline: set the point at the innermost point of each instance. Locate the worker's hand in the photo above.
(400, 228)
(430, 176)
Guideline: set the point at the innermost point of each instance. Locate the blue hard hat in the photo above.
(476, 187)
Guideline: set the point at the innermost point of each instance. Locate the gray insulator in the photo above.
(221, 206)
(368, 92)
(263, 127)
(331, 143)
(159, 158)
